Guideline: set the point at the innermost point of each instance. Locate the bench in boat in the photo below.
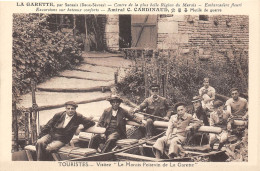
(68, 151)
(83, 152)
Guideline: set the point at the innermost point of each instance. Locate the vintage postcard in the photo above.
(129, 85)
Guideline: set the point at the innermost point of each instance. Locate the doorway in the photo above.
(125, 37)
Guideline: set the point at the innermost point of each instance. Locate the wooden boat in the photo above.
(131, 149)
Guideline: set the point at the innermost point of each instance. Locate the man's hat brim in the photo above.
(179, 104)
(72, 103)
(114, 99)
(196, 98)
(154, 86)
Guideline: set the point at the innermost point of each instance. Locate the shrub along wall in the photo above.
(191, 47)
(179, 75)
(39, 52)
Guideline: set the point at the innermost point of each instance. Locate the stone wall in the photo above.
(213, 37)
(111, 34)
(215, 46)
(209, 35)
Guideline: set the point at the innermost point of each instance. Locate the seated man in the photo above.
(219, 118)
(114, 120)
(176, 132)
(198, 111)
(237, 106)
(154, 105)
(60, 130)
(208, 95)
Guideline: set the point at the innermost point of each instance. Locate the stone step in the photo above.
(87, 75)
(72, 83)
(101, 55)
(97, 69)
(115, 62)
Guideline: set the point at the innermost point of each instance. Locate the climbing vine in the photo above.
(39, 52)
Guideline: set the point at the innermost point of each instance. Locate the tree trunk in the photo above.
(15, 127)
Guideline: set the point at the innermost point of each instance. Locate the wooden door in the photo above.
(144, 31)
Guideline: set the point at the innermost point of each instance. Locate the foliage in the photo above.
(39, 52)
(132, 86)
(182, 75)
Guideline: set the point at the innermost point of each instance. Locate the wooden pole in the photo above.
(26, 131)
(145, 75)
(86, 42)
(167, 72)
(49, 107)
(34, 113)
(15, 127)
(163, 85)
(135, 56)
(116, 77)
(157, 68)
(90, 89)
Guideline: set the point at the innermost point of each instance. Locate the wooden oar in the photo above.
(146, 114)
(110, 155)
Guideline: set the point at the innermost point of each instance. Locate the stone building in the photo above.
(203, 32)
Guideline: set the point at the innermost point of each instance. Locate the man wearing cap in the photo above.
(198, 111)
(114, 120)
(207, 94)
(154, 105)
(237, 106)
(176, 134)
(219, 118)
(59, 130)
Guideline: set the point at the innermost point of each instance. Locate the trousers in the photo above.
(109, 144)
(222, 137)
(45, 145)
(149, 127)
(174, 143)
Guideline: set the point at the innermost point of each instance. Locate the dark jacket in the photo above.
(159, 107)
(53, 127)
(202, 115)
(122, 114)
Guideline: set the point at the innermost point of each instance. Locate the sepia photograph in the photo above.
(128, 87)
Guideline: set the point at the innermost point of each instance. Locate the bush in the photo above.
(132, 86)
(183, 75)
(38, 52)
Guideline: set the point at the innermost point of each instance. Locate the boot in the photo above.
(211, 146)
(220, 146)
(157, 154)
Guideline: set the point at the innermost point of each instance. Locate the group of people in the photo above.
(206, 111)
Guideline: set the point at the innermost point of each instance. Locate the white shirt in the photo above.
(67, 120)
(114, 112)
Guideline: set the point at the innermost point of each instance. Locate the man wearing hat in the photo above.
(198, 111)
(154, 105)
(219, 118)
(60, 130)
(114, 120)
(207, 94)
(176, 134)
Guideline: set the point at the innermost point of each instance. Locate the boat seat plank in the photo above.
(67, 151)
(133, 157)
